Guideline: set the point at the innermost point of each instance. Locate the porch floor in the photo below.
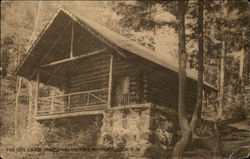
(68, 114)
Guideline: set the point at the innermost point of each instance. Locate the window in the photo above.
(93, 85)
(121, 91)
(88, 86)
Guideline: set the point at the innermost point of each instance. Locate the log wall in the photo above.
(95, 69)
(148, 83)
(161, 87)
(91, 74)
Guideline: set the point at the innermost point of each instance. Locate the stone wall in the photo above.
(143, 130)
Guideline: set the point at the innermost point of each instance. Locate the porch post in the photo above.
(72, 40)
(37, 92)
(110, 81)
(52, 102)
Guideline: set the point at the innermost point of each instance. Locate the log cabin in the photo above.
(99, 70)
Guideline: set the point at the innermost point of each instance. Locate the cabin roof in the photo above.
(62, 18)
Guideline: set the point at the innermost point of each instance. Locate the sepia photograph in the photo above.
(125, 79)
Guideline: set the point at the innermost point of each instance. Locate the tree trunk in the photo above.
(30, 88)
(183, 121)
(197, 112)
(18, 87)
(30, 113)
(221, 85)
(180, 146)
(241, 72)
(36, 24)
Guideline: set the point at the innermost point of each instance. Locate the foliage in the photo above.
(218, 29)
(52, 134)
(140, 16)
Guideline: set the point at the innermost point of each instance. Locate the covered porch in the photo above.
(70, 57)
(76, 95)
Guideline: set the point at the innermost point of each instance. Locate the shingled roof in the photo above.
(108, 36)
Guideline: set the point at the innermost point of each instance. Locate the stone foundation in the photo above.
(144, 130)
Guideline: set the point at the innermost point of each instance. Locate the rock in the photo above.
(138, 128)
(144, 136)
(125, 124)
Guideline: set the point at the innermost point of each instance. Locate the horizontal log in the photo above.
(162, 99)
(74, 58)
(66, 114)
(78, 88)
(76, 97)
(90, 78)
(76, 93)
(82, 82)
(93, 71)
(78, 101)
(95, 75)
(90, 71)
(89, 68)
(94, 60)
(49, 74)
(167, 103)
(131, 106)
(88, 63)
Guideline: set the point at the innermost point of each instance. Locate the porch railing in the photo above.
(73, 102)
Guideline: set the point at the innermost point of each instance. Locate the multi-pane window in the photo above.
(91, 86)
(121, 91)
